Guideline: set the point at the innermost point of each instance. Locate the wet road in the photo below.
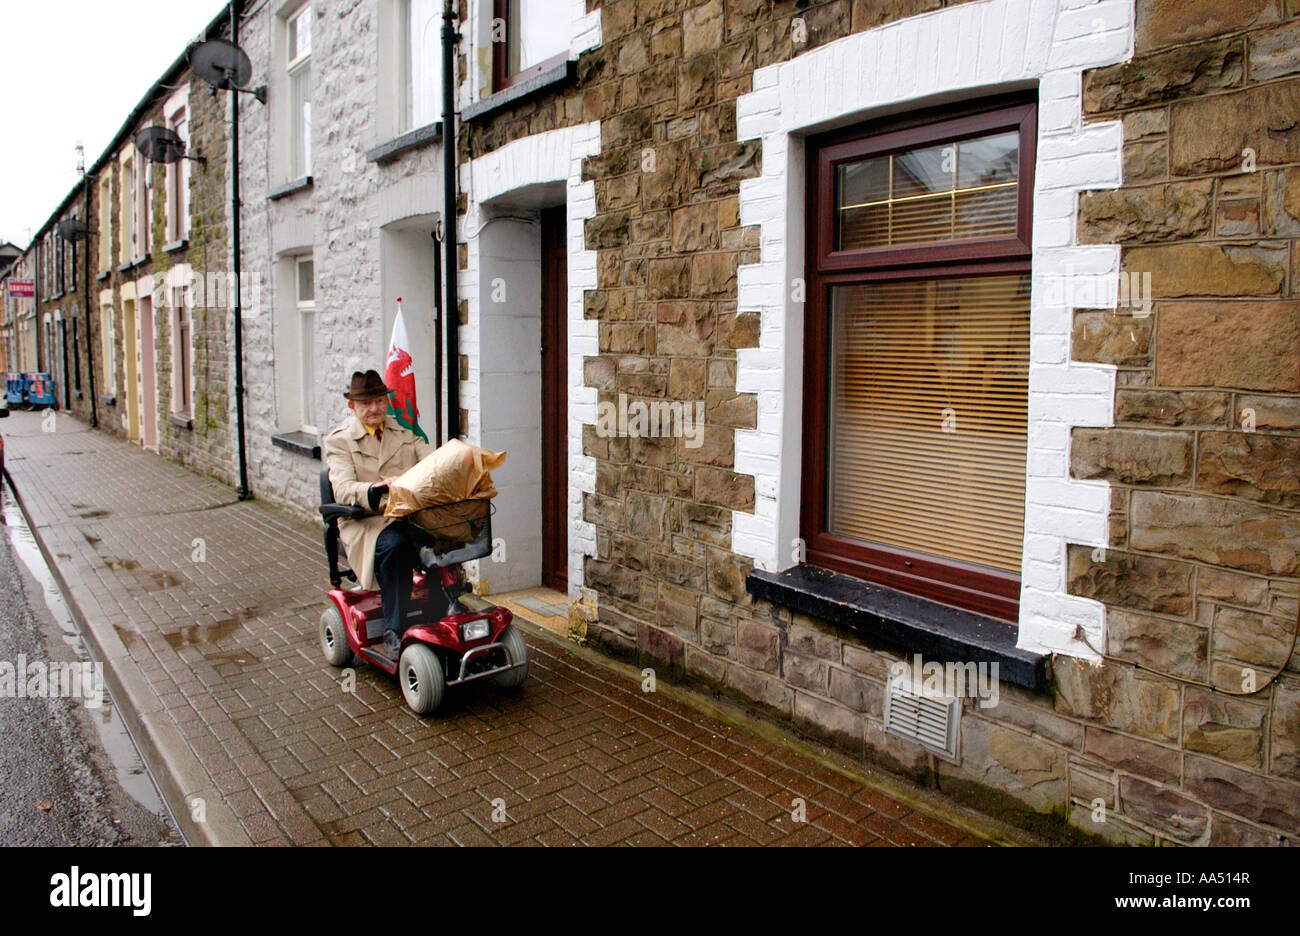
(69, 772)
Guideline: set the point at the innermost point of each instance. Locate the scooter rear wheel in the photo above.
(420, 674)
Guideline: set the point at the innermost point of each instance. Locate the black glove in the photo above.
(376, 491)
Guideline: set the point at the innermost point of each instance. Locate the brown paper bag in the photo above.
(453, 472)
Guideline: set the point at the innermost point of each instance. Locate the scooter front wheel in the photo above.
(420, 675)
(334, 638)
(516, 653)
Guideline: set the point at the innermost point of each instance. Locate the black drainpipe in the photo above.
(451, 309)
(237, 285)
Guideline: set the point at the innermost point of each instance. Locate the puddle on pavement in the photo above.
(92, 514)
(158, 580)
(128, 765)
(208, 633)
(92, 540)
(162, 580)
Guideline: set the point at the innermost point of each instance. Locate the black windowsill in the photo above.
(108, 400)
(413, 139)
(297, 185)
(936, 631)
(180, 421)
(103, 275)
(559, 74)
(176, 245)
(300, 443)
(133, 264)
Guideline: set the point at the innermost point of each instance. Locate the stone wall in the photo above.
(1198, 580)
(1200, 577)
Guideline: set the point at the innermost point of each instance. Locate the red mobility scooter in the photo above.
(445, 643)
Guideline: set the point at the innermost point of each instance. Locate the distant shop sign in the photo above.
(22, 289)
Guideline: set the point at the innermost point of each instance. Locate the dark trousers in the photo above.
(395, 560)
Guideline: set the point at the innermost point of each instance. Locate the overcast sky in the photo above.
(72, 70)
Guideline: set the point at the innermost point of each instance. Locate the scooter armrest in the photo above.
(330, 512)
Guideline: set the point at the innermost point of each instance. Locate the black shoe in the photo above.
(392, 644)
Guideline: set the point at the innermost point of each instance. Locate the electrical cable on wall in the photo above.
(1295, 633)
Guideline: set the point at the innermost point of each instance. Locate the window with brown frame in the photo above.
(917, 352)
(527, 39)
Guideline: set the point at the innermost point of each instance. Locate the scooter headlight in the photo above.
(474, 630)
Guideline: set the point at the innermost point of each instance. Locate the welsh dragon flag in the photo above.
(399, 375)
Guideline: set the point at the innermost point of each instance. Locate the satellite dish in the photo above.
(221, 63)
(160, 144)
(71, 229)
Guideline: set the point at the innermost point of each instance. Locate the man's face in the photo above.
(370, 412)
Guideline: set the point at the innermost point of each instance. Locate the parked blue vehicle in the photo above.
(35, 389)
(39, 389)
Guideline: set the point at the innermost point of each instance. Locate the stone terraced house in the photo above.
(922, 373)
(159, 258)
(991, 312)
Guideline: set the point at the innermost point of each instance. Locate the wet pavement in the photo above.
(70, 773)
(208, 610)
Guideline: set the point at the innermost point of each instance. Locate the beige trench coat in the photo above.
(355, 462)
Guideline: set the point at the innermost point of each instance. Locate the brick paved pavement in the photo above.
(216, 604)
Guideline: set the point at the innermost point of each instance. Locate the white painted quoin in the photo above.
(972, 50)
(501, 286)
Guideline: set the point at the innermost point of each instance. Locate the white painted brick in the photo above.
(1042, 548)
(1104, 49)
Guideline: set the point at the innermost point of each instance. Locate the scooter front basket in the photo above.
(457, 532)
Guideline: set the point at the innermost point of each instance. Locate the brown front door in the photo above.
(555, 398)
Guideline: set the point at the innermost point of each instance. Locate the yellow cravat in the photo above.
(376, 431)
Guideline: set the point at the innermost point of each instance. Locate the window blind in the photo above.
(927, 416)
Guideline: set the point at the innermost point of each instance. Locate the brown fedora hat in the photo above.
(366, 386)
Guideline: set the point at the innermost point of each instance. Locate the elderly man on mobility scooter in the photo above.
(365, 455)
(431, 640)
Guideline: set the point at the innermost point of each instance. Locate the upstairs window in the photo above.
(917, 344)
(105, 221)
(420, 55)
(127, 211)
(178, 185)
(144, 206)
(298, 68)
(536, 38)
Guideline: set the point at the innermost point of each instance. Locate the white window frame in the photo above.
(305, 310)
(127, 214)
(144, 203)
(108, 346)
(298, 69)
(105, 221)
(407, 67)
(177, 193)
